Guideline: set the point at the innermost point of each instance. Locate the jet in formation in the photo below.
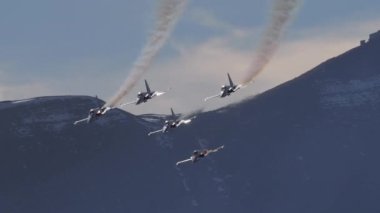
(143, 97)
(198, 154)
(174, 122)
(226, 90)
(93, 114)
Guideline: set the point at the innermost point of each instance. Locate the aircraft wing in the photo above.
(238, 87)
(185, 121)
(219, 148)
(183, 161)
(158, 93)
(106, 110)
(154, 132)
(128, 103)
(211, 97)
(215, 150)
(242, 86)
(80, 121)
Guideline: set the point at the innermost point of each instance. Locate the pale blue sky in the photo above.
(79, 47)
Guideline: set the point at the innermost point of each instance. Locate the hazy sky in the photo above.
(77, 47)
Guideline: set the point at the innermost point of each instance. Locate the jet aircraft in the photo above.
(226, 90)
(174, 122)
(93, 114)
(143, 97)
(198, 154)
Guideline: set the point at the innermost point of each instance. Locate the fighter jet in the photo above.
(93, 114)
(198, 154)
(143, 97)
(174, 122)
(226, 90)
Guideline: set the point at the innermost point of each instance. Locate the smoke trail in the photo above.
(282, 13)
(168, 14)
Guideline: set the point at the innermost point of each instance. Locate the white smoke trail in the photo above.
(282, 13)
(168, 15)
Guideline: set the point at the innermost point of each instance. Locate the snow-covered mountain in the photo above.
(309, 145)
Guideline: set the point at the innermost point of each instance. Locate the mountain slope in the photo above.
(309, 145)
(39, 138)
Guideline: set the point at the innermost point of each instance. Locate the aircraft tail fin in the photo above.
(230, 80)
(173, 114)
(147, 87)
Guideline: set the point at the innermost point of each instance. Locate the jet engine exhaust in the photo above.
(168, 14)
(282, 13)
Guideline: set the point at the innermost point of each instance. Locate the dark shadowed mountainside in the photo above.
(309, 145)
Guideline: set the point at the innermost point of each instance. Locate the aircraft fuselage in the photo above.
(143, 97)
(96, 113)
(169, 125)
(197, 155)
(227, 90)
